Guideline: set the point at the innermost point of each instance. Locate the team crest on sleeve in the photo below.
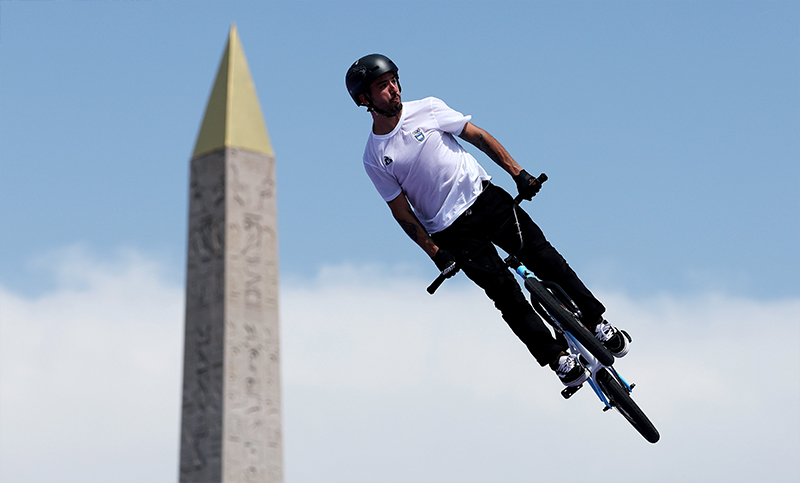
(419, 135)
(387, 161)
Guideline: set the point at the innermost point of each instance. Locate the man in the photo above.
(414, 160)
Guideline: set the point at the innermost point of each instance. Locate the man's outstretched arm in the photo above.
(527, 185)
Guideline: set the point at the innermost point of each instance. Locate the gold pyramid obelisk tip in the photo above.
(233, 115)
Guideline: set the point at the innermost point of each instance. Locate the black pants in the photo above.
(482, 223)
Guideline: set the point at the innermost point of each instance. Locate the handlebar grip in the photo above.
(542, 178)
(436, 283)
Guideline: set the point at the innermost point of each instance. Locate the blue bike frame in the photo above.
(576, 348)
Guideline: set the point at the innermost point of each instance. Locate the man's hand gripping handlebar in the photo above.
(446, 262)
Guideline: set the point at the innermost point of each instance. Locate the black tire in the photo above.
(621, 400)
(568, 321)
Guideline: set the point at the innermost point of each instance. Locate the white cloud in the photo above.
(90, 374)
(441, 384)
(383, 382)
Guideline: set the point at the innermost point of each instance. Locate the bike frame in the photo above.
(576, 348)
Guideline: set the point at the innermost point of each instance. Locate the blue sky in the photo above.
(670, 132)
(669, 129)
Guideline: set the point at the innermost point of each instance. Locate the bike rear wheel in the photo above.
(621, 400)
(568, 321)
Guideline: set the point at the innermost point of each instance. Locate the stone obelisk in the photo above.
(231, 421)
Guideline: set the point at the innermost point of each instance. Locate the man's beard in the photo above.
(392, 110)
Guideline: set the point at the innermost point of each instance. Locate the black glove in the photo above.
(527, 185)
(446, 263)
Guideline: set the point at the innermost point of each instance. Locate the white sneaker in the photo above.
(615, 340)
(571, 371)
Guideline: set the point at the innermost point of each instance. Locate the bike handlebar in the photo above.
(442, 277)
(433, 287)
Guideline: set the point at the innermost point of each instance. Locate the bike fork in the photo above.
(625, 384)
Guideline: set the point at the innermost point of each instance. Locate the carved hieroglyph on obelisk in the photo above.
(231, 421)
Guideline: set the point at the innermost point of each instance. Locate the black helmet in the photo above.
(364, 71)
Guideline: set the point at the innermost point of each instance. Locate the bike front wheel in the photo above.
(568, 321)
(621, 400)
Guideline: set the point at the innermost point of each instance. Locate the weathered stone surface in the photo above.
(231, 428)
(203, 366)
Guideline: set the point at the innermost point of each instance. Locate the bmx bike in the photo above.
(556, 308)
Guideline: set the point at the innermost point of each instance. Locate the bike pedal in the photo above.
(627, 336)
(569, 391)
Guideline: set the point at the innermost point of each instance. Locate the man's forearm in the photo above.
(416, 232)
(402, 212)
(491, 147)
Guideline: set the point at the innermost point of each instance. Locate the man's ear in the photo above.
(363, 100)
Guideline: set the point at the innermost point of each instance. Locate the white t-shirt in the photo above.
(422, 159)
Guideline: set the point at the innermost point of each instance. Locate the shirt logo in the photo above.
(418, 135)
(387, 161)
